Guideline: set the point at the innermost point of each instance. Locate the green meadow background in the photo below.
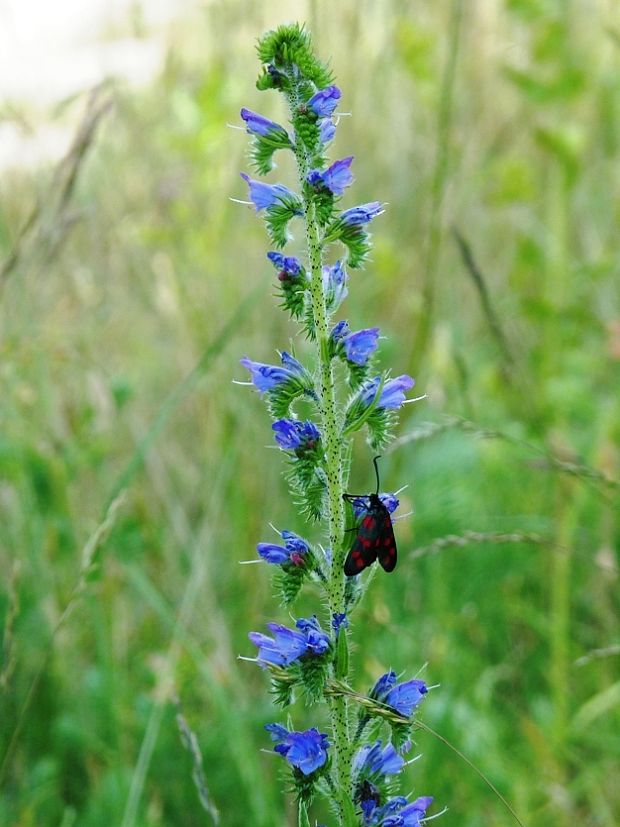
(130, 287)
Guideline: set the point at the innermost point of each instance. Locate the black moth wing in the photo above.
(374, 540)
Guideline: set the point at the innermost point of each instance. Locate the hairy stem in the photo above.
(331, 430)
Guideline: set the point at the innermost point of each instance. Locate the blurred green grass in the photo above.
(499, 119)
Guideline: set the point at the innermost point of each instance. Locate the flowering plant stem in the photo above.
(335, 485)
(350, 767)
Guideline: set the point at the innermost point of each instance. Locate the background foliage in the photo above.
(130, 287)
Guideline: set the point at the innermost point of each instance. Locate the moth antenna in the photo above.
(374, 462)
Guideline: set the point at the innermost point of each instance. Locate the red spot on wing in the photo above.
(387, 554)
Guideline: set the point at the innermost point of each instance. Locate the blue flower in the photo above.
(361, 504)
(327, 130)
(371, 761)
(406, 696)
(273, 553)
(339, 621)
(293, 551)
(289, 266)
(294, 543)
(410, 815)
(317, 639)
(403, 697)
(383, 685)
(335, 178)
(339, 331)
(264, 195)
(335, 285)
(258, 125)
(293, 435)
(360, 345)
(268, 377)
(293, 365)
(374, 814)
(362, 214)
(284, 648)
(392, 394)
(324, 102)
(307, 751)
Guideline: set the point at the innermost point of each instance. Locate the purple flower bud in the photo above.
(315, 178)
(362, 214)
(327, 130)
(324, 102)
(258, 125)
(383, 686)
(289, 266)
(292, 364)
(264, 195)
(339, 331)
(305, 750)
(335, 285)
(339, 621)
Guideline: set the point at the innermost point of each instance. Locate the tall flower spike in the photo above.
(313, 426)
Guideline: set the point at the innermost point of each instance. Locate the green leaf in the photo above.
(264, 147)
(313, 669)
(355, 239)
(277, 218)
(291, 45)
(289, 581)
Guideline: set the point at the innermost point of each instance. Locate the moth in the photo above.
(375, 535)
